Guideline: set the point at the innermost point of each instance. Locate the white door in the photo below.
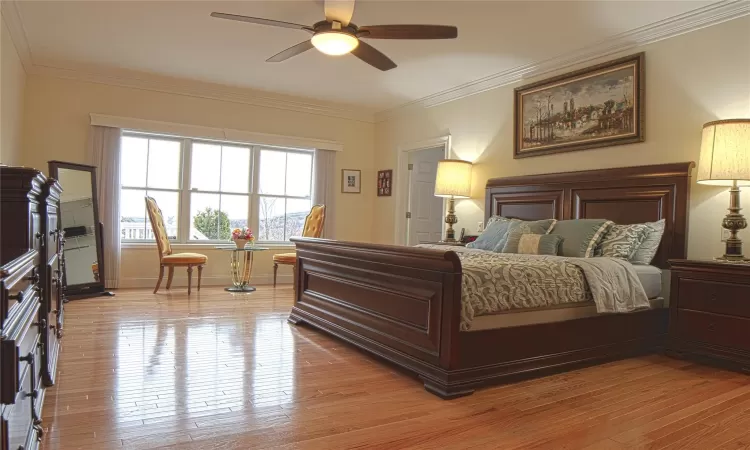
(425, 211)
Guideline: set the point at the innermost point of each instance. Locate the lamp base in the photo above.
(732, 259)
(734, 222)
(450, 219)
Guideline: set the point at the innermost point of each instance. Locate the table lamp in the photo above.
(725, 161)
(453, 180)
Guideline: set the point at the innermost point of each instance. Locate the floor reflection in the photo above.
(145, 360)
(272, 380)
(183, 367)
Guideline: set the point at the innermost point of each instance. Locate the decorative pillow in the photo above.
(646, 252)
(495, 219)
(621, 241)
(527, 227)
(532, 244)
(581, 236)
(494, 234)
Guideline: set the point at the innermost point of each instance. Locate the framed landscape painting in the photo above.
(599, 106)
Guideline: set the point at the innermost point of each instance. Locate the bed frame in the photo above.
(403, 303)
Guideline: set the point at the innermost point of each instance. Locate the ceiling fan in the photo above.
(337, 35)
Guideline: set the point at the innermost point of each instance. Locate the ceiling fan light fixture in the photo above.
(334, 42)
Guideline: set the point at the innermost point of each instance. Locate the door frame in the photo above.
(401, 177)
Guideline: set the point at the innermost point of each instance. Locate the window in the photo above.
(207, 188)
(219, 190)
(149, 166)
(284, 194)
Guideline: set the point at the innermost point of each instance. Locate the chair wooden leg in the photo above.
(200, 274)
(190, 277)
(169, 277)
(161, 275)
(275, 269)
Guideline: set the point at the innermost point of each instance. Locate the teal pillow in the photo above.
(581, 236)
(493, 235)
(527, 227)
(532, 244)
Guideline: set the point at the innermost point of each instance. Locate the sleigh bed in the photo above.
(404, 303)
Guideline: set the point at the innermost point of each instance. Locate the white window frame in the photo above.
(184, 190)
(256, 189)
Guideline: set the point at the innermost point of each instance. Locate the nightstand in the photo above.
(709, 312)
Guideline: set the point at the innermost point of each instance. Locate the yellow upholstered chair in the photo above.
(313, 228)
(166, 257)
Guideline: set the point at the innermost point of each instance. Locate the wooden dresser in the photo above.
(710, 312)
(31, 303)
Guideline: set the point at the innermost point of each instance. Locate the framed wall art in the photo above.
(599, 106)
(351, 181)
(385, 183)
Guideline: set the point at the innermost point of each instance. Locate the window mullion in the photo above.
(187, 158)
(286, 163)
(218, 213)
(254, 210)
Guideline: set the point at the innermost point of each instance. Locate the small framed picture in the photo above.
(351, 181)
(384, 183)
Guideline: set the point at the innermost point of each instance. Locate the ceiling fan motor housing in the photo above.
(326, 27)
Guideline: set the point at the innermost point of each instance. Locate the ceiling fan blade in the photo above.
(408, 32)
(291, 51)
(373, 56)
(259, 21)
(339, 10)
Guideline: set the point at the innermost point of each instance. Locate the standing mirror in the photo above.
(79, 212)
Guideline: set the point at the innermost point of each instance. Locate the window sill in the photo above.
(207, 246)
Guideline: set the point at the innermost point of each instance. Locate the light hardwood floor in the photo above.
(224, 371)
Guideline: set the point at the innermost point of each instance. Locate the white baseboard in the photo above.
(150, 282)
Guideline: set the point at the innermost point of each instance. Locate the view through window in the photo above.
(205, 189)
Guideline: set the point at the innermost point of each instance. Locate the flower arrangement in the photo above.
(242, 236)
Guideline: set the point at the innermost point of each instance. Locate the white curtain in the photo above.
(104, 153)
(324, 187)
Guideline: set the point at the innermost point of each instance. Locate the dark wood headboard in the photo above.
(624, 195)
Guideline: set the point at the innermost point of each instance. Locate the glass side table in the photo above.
(241, 264)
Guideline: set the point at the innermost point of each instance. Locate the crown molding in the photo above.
(12, 19)
(205, 90)
(706, 16)
(149, 82)
(696, 19)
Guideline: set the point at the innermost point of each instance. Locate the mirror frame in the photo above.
(95, 288)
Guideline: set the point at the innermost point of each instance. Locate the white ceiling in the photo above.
(179, 39)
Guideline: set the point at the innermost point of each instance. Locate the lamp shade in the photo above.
(725, 153)
(453, 179)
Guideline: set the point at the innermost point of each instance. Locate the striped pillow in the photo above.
(532, 244)
(581, 236)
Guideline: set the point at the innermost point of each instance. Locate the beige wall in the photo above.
(57, 124)
(690, 79)
(12, 87)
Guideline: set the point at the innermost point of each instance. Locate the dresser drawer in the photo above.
(18, 419)
(21, 339)
(716, 329)
(714, 296)
(19, 288)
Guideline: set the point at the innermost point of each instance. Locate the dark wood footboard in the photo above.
(403, 304)
(400, 303)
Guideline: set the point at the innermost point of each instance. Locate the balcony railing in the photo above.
(137, 231)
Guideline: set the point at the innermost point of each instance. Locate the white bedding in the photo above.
(651, 279)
